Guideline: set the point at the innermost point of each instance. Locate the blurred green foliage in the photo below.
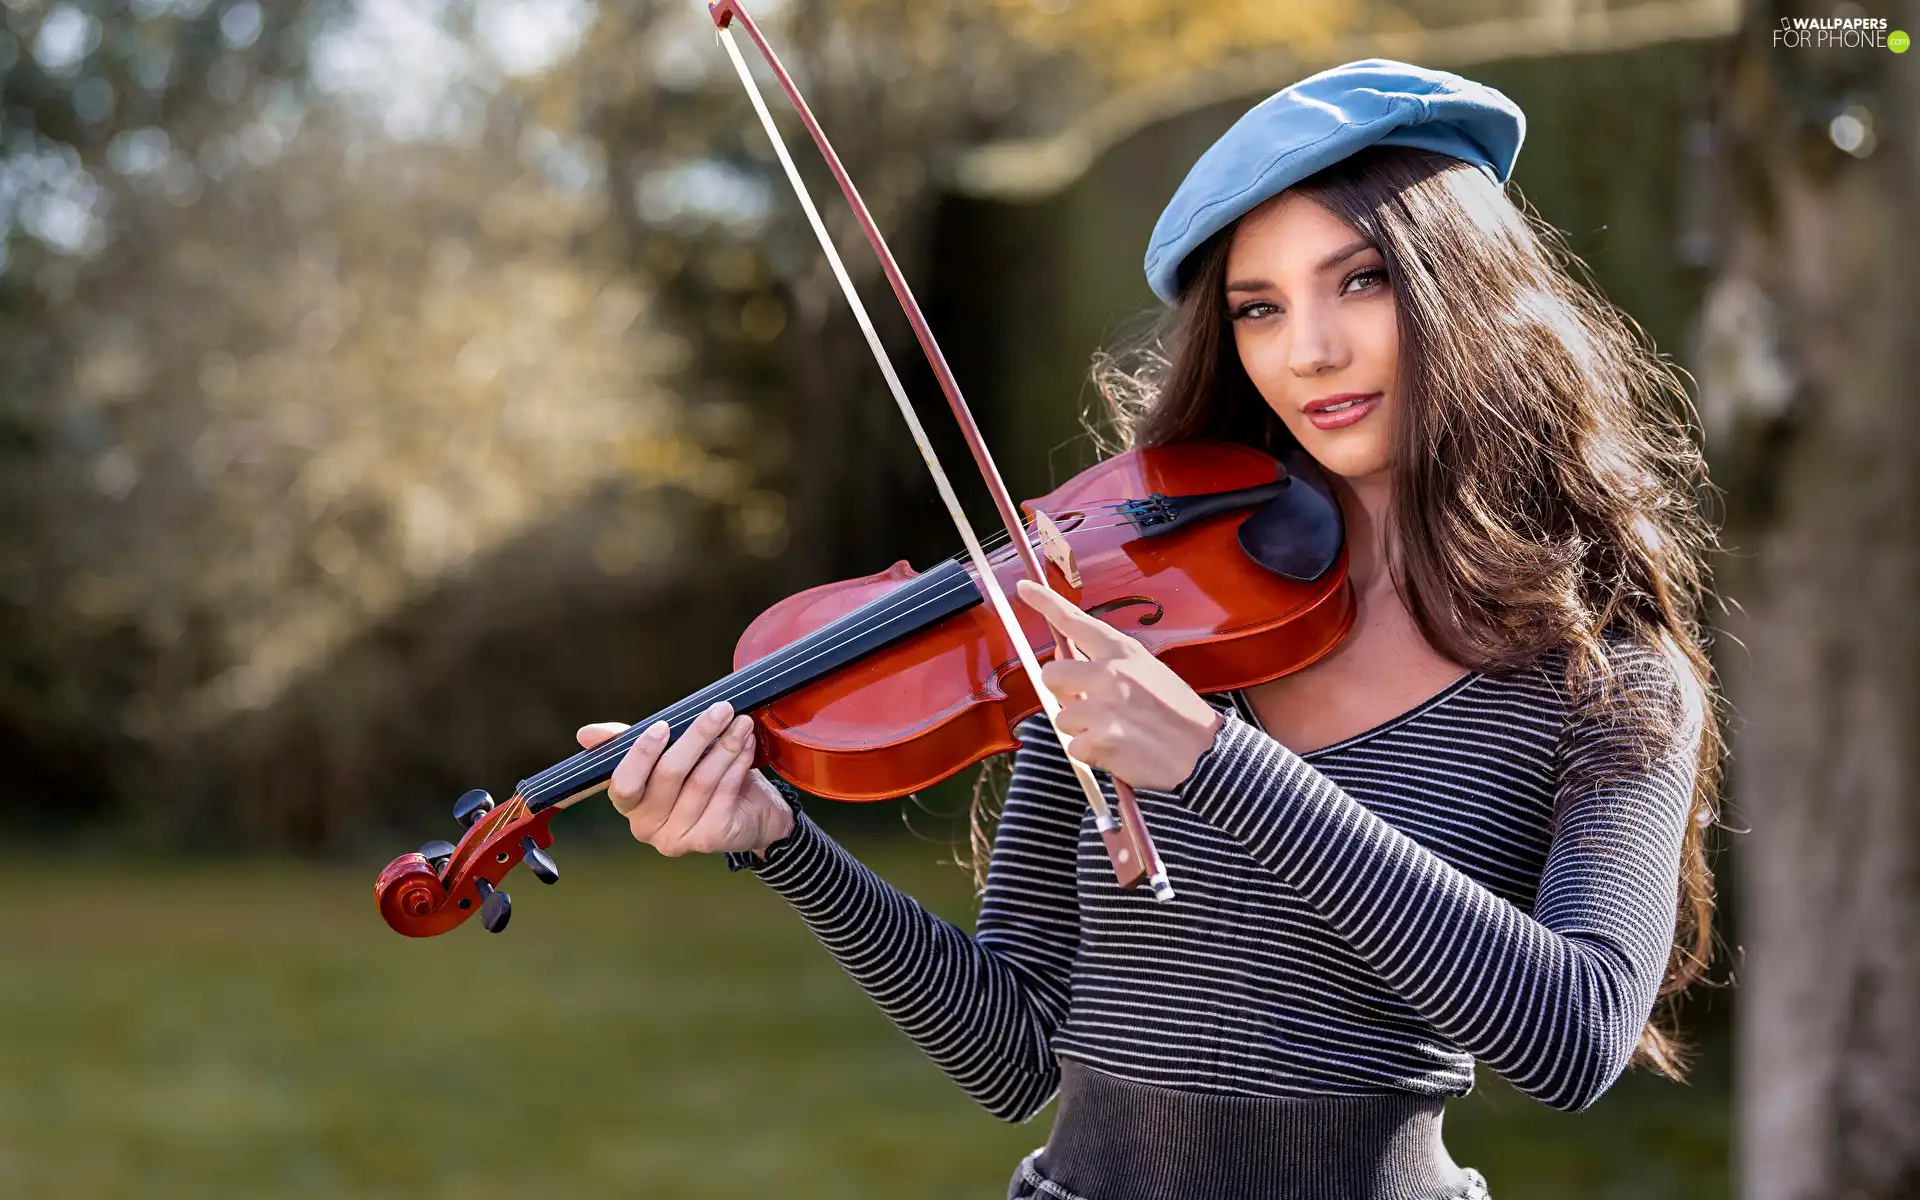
(647, 1027)
(355, 355)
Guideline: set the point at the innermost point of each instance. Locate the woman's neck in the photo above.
(1364, 505)
(1385, 632)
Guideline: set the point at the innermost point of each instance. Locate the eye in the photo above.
(1253, 310)
(1376, 274)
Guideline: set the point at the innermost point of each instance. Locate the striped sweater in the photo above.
(1484, 877)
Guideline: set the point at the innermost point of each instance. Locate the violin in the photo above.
(873, 688)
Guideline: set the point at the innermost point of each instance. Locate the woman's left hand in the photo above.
(1122, 709)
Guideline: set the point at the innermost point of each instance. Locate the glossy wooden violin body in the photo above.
(1228, 567)
(920, 709)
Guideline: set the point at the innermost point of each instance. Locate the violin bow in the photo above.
(1129, 845)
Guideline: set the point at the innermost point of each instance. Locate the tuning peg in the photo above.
(471, 807)
(538, 861)
(496, 907)
(437, 854)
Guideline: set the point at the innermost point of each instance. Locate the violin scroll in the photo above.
(438, 886)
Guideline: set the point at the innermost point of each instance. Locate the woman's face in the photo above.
(1312, 315)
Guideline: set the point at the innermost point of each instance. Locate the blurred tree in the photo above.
(1813, 421)
(309, 316)
(92, 95)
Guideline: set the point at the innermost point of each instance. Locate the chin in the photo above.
(1349, 458)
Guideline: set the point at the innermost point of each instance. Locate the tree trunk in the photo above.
(1808, 391)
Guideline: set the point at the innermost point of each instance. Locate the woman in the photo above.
(1459, 837)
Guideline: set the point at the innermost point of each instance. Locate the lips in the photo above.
(1334, 412)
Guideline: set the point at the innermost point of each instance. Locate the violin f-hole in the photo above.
(1107, 606)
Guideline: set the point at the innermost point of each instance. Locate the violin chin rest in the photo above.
(1298, 533)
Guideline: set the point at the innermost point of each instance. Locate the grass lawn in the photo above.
(646, 1028)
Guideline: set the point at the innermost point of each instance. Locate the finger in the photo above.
(1096, 748)
(1077, 716)
(1094, 637)
(628, 786)
(737, 809)
(590, 736)
(703, 782)
(680, 758)
(1073, 676)
(1082, 749)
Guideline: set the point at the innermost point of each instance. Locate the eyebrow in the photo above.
(1337, 257)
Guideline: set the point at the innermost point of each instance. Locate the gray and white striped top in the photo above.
(1483, 877)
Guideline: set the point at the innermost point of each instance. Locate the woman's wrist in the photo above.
(784, 822)
(758, 857)
(1232, 740)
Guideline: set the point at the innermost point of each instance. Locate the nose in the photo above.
(1317, 345)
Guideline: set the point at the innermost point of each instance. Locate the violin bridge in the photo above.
(1054, 545)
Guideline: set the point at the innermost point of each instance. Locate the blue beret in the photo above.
(1317, 122)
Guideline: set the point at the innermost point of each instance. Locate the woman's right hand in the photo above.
(698, 794)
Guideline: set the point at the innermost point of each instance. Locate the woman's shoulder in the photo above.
(1634, 698)
(1618, 662)
(1643, 676)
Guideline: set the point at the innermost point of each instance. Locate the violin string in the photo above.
(577, 770)
(1003, 538)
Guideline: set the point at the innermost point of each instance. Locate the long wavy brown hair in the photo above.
(1549, 490)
